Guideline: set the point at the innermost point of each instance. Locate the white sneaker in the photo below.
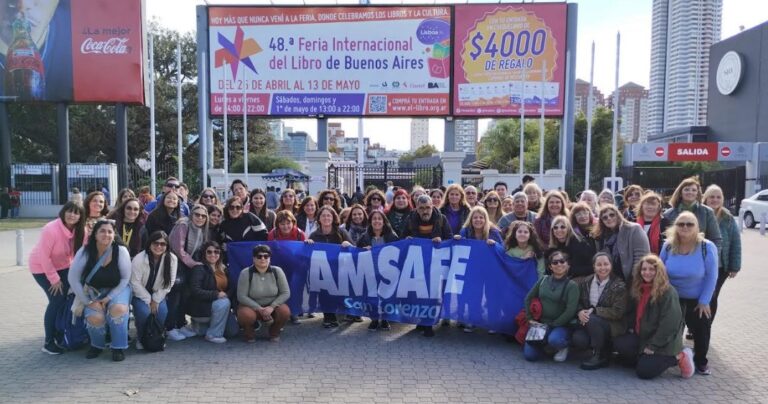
(469, 328)
(561, 355)
(175, 335)
(187, 332)
(216, 340)
(139, 347)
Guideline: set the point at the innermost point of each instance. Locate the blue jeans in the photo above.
(141, 313)
(557, 339)
(219, 315)
(55, 302)
(118, 326)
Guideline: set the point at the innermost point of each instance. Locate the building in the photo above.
(419, 133)
(581, 96)
(466, 136)
(682, 33)
(334, 133)
(633, 112)
(347, 147)
(298, 144)
(277, 129)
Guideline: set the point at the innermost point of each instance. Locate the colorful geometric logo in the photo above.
(239, 51)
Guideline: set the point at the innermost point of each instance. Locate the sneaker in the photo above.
(118, 355)
(491, 332)
(139, 347)
(429, 332)
(274, 339)
(310, 315)
(469, 328)
(689, 336)
(384, 325)
(187, 332)
(295, 320)
(685, 362)
(52, 349)
(561, 355)
(175, 335)
(93, 352)
(445, 323)
(373, 325)
(703, 370)
(216, 340)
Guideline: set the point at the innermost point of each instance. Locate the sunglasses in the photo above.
(685, 224)
(560, 227)
(173, 185)
(199, 215)
(558, 262)
(209, 196)
(212, 252)
(375, 199)
(329, 198)
(235, 207)
(159, 244)
(494, 200)
(608, 216)
(262, 256)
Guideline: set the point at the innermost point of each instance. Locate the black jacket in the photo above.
(202, 291)
(365, 239)
(440, 227)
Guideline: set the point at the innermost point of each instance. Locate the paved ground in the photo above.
(350, 364)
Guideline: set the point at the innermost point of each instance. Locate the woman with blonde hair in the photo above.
(730, 246)
(649, 217)
(554, 205)
(534, 194)
(692, 262)
(687, 197)
(492, 204)
(288, 201)
(208, 197)
(580, 249)
(654, 342)
(455, 207)
(624, 241)
(632, 195)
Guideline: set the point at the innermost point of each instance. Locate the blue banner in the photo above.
(410, 281)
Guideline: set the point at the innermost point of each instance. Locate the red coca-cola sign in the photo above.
(659, 151)
(692, 151)
(112, 46)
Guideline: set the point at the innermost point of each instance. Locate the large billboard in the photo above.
(72, 50)
(333, 61)
(500, 52)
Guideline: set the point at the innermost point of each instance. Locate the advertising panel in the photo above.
(499, 56)
(72, 51)
(335, 61)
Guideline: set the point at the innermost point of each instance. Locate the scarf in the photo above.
(195, 236)
(642, 304)
(654, 232)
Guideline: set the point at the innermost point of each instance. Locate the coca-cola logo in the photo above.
(111, 46)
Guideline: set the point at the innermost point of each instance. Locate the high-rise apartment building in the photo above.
(419, 133)
(277, 129)
(334, 133)
(633, 112)
(466, 136)
(581, 96)
(682, 32)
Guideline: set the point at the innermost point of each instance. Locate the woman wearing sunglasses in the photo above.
(330, 198)
(375, 200)
(153, 272)
(239, 225)
(492, 204)
(208, 297)
(208, 197)
(691, 262)
(624, 241)
(262, 293)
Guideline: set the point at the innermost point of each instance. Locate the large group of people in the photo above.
(618, 278)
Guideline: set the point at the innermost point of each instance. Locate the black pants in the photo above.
(646, 366)
(176, 300)
(700, 327)
(721, 277)
(55, 302)
(596, 334)
(329, 317)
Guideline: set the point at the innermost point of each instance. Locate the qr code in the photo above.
(377, 104)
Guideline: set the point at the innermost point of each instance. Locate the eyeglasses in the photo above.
(173, 185)
(494, 200)
(608, 216)
(470, 193)
(262, 256)
(159, 244)
(329, 198)
(375, 199)
(558, 262)
(199, 215)
(212, 252)
(209, 196)
(685, 224)
(235, 207)
(560, 227)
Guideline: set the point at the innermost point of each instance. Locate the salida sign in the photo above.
(693, 152)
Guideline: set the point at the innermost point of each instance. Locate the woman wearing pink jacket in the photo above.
(49, 263)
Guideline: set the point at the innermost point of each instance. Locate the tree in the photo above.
(600, 165)
(500, 147)
(423, 151)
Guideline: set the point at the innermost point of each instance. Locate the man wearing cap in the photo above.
(172, 184)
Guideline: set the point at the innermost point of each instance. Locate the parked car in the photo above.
(754, 207)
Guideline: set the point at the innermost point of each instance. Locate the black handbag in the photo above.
(153, 335)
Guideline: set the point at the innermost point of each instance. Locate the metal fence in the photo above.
(345, 177)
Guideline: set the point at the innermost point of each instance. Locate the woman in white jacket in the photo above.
(153, 272)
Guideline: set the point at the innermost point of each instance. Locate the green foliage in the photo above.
(423, 151)
(600, 167)
(500, 147)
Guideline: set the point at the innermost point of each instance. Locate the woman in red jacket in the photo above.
(49, 263)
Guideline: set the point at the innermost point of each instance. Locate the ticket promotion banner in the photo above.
(500, 53)
(338, 61)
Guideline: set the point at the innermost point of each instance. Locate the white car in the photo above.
(754, 208)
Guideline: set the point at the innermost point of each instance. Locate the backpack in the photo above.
(153, 335)
(71, 333)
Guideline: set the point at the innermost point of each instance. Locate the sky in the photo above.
(598, 21)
